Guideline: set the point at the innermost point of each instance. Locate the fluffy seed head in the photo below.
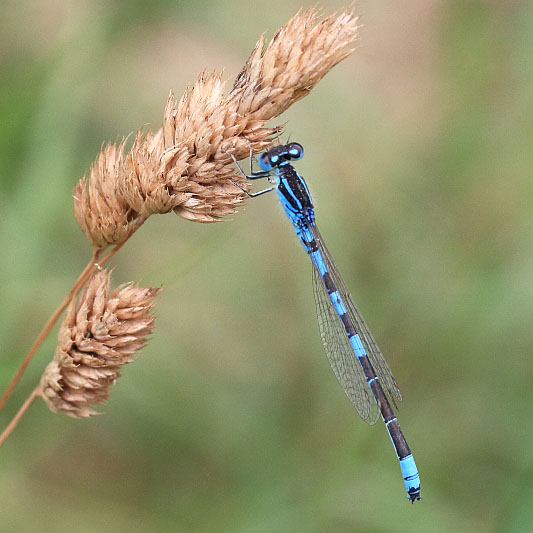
(185, 166)
(100, 209)
(96, 338)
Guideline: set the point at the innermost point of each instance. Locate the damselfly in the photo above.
(352, 351)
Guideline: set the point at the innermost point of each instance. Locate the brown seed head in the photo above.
(95, 339)
(185, 165)
(154, 179)
(299, 55)
(210, 125)
(101, 211)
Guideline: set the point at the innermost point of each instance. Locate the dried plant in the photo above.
(96, 338)
(101, 211)
(183, 167)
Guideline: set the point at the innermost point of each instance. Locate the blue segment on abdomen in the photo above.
(337, 302)
(318, 261)
(357, 345)
(410, 473)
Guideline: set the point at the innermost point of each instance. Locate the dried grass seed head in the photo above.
(154, 179)
(101, 211)
(298, 56)
(185, 166)
(96, 338)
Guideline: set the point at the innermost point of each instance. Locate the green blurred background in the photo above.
(419, 156)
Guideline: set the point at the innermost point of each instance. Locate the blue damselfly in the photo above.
(352, 351)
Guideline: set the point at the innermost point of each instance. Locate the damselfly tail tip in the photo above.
(414, 495)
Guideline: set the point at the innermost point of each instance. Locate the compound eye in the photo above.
(264, 161)
(295, 150)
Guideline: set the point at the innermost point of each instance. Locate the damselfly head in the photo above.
(280, 155)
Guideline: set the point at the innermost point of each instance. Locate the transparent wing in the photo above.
(341, 356)
(381, 368)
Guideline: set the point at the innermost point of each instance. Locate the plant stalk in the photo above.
(13, 424)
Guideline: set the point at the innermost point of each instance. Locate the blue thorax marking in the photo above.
(294, 196)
